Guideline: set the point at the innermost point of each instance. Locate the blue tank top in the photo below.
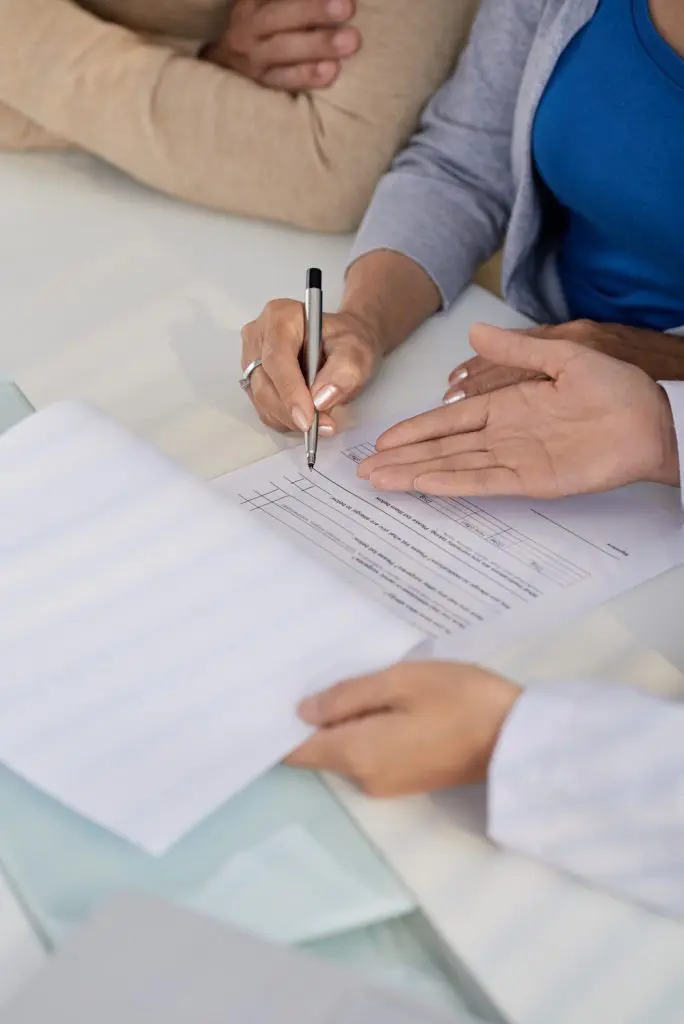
(608, 144)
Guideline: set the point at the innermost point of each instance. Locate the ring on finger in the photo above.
(246, 378)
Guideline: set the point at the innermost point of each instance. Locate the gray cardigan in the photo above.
(466, 179)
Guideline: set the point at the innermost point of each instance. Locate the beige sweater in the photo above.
(94, 79)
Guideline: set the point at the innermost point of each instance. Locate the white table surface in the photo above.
(111, 293)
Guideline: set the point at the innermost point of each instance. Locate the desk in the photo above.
(111, 293)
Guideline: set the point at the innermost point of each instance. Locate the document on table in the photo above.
(472, 575)
(154, 640)
(156, 633)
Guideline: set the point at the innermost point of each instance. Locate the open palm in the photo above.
(596, 424)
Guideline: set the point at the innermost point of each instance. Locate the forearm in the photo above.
(210, 136)
(390, 293)
(447, 200)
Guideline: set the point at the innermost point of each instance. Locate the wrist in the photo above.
(391, 295)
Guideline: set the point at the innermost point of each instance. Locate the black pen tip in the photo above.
(314, 278)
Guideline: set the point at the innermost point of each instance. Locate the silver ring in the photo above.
(246, 376)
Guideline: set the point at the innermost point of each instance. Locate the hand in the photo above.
(659, 355)
(596, 423)
(352, 352)
(411, 729)
(287, 44)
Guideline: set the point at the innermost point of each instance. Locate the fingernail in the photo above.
(344, 42)
(324, 396)
(457, 396)
(461, 375)
(338, 9)
(300, 420)
(326, 429)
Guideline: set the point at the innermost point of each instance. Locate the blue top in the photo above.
(608, 142)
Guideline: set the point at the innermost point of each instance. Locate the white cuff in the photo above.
(590, 779)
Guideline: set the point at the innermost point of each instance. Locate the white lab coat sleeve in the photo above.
(589, 778)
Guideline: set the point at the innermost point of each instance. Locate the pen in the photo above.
(313, 307)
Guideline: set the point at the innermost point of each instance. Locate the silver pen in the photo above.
(313, 307)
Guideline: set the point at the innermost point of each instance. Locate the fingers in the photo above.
(277, 338)
(354, 698)
(311, 46)
(353, 749)
(348, 367)
(299, 77)
(449, 420)
(278, 16)
(278, 388)
(525, 351)
(494, 481)
(426, 451)
(326, 751)
(485, 377)
(471, 367)
(409, 476)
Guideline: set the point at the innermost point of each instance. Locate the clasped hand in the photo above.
(290, 45)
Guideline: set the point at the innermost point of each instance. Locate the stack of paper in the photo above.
(154, 641)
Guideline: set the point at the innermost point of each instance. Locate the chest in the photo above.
(190, 19)
(607, 136)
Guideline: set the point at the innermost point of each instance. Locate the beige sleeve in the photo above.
(212, 137)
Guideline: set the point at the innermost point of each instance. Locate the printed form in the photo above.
(473, 575)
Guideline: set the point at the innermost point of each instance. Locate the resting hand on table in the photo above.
(410, 729)
(287, 44)
(659, 355)
(593, 424)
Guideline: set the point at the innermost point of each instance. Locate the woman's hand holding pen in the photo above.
(386, 298)
(351, 352)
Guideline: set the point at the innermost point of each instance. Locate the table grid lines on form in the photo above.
(441, 582)
(495, 532)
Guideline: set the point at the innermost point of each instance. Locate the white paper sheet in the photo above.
(153, 640)
(473, 575)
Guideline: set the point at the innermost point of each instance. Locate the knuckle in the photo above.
(276, 307)
(248, 331)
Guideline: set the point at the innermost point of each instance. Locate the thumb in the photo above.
(348, 367)
(525, 351)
